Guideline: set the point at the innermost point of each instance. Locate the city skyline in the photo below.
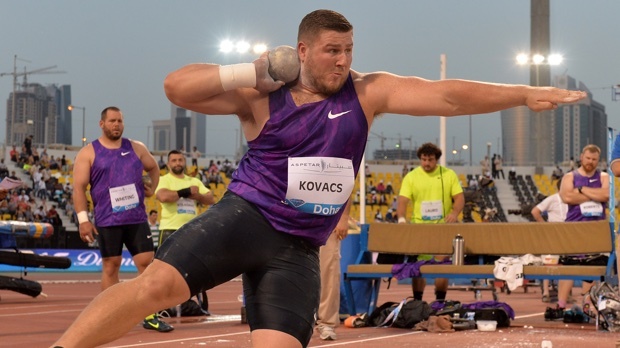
(115, 55)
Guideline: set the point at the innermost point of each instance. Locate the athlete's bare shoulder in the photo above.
(86, 154)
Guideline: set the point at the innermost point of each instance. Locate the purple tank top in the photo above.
(117, 173)
(332, 128)
(574, 211)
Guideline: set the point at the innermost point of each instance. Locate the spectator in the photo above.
(380, 187)
(53, 218)
(28, 145)
(378, 216)
(24, 197)
(329, 261)
(499, 167)
(557, 173)
(4, 170)
(40, 214)
(195, 155)
(512, 174)
(484, 165)
(63, 164)
(14, 154)
(389, 216)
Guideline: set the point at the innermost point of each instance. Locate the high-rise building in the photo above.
(62, 98)
(577, 125)
(35, 114)
(181, 132)
(571, 127)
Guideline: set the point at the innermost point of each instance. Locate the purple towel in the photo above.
(412, 269)
(490, 304)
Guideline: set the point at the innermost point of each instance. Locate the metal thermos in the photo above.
(458, 247)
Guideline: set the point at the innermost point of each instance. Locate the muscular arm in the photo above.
(401, 208)
(598, 194)
(204, 198)
(150, 166)
(570, 194)
(81, 177)
(198, 87)
(383, 92)
(165, 195)
(457, 208)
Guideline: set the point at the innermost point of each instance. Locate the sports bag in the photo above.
(404, 314)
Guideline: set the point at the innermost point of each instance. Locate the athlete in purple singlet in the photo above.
(113, 167)
(586, 192)
(306, 141)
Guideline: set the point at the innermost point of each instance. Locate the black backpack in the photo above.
(498, 314)
(404, 314)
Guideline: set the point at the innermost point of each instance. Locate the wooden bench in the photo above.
(498, 239)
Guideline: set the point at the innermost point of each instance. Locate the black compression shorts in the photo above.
(136, 237)
(281, 277)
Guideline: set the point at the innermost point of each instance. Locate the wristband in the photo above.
(237, 76)
(82, 217)
(184, 193)
(402, 220)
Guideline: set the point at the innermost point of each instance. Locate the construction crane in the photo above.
(381, 137)
(25, 74)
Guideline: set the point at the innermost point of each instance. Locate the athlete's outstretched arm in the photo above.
(389, 93)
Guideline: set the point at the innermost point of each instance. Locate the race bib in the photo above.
(319, 185)
(431, 210)
(124, 198)
(591, 208)
(186, 206)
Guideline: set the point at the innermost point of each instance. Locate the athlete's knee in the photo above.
(162, 283)
(111, 265)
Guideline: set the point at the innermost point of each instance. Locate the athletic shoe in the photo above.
(554, 313)
(576, 315)
(152, 322)
(327, 333)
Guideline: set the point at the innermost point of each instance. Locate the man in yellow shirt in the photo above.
(437, 197)
(179, 195)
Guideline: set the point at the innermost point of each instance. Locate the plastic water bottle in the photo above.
(178, 310)
(458, 246)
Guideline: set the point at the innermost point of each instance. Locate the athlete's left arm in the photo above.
(383, 92)
(342, 228)
(598, 194)
(150, 166)
(457, 208)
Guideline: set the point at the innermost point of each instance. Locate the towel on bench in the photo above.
(510, 269)
(412, 269)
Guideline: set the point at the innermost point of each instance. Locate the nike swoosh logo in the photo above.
(332, 116)
(154, 325)
(593, 180)
(124, 153)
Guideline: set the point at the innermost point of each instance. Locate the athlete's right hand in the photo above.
(264, 81)
(88, 232)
